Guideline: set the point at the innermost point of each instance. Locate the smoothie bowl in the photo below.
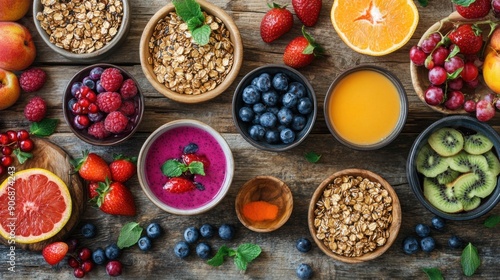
(185, 167)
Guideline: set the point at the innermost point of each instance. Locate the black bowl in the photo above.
(415, 179)
(294, 76)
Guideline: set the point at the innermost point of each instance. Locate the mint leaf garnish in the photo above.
(312, 157)
(492, 221)
(470, 260)
(433, 273)
(22, 157)
(218, 259)
(202, 34)
(243, 255)
(190, 12)
(129, 235)
(423, 3)
(173, 168)
(44, 127)
(196, 167)
(465, 3)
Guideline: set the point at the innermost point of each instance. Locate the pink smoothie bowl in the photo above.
(182, 142)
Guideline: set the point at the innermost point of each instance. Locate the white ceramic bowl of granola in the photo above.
(62, 17)
(189, 63)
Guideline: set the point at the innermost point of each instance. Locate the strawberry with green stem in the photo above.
(301, 51)
(92, 167)
(115, 199)
(276, 22)
(122, 168)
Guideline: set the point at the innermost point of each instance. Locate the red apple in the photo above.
(9, 89)
(17, 48)
(13, 10)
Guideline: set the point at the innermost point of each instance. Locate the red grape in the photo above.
(455, 100)
(495, 4)
(470, 106)
(428, 45)
(453, 64)
(473, 84)
(417, 55)
(470, 71)
(434, 95)
(497, 104)
(440, 55)
(484, 110)
(456, 84)
(437, 75)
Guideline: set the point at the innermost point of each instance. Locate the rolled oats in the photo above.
(182, 65)
(81, 26)
(353, 216)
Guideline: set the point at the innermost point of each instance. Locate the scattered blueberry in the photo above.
(289, 100)
(285, 116)
(437, 223)
(112, 251)
(428, 244)
(153, 230)
(259, 108)
(71, 102)
(257, 132)
(75, 87)
(96, 117)
(268, 120)
(181, 249)
(207, 230)
(203, 250)
(304, 271)
(144, 243)
(422, 230)
(263, 82)
(270, 98)
(89, 82)
(95, 73)
(251, 95)
(226, 232)
(190, 148)
(89, 230)
(272, 136)
(199, 186)
(455, 242)
(287, 136)
(303, 245)
(299, 122)
(304, 106)
(280, 81)
(246, 114)
(98, 256)
(410, 245)
(297, 88)
(191, 234)
(98, 87)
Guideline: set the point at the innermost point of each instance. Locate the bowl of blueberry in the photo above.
(103, 104)
(274, 107)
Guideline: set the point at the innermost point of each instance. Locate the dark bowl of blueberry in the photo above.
(103, 104)
(274, 107)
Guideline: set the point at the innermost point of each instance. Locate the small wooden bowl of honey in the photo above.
(264, 204)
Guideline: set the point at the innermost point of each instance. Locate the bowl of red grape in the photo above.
(446, 67)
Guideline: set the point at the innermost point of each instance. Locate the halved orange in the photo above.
(374, 27)
(35, 204)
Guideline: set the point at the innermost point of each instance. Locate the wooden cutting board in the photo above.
(53, 158)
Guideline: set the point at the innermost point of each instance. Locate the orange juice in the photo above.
(364, 108)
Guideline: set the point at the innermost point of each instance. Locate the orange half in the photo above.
(374, 27)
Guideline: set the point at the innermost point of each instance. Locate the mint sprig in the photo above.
(492, 221)
(433, 273)
(312, 157)
(129, 235)
(22, 157)
(243, 255)
(44, 127)
(470, 260)
(190, 12)
(175, 168)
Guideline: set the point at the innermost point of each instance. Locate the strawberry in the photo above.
(122, 168)
(301, 51)
(307, 11)
(476, 9)
(188, 158)
(276, 22)
(55, 252)
(93, 186)
(468, 38)
(179, 185)
(115, 199)
(92, 167)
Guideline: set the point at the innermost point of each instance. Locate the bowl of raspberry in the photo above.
(274, 107)
(103, 104)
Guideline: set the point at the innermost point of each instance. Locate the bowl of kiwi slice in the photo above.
(453, 168)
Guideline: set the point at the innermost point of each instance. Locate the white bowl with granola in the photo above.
(82, 31)
(354, 216)
(191, 68)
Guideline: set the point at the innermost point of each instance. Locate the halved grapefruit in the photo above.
(35, 205)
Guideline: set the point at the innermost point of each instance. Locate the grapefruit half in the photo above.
(35, 204)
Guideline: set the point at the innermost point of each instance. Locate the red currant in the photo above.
(79, 273)
(417, 55)
(91, 96)
(6, 161)
(83, 120)
(76, 108)
(74, 263)
(84, 102)
(22, 135)
(3, 170)
(87, 266)
(437, 75)
(12, 135)
(434, 95)
(26, 145)
(470, 71)
(6, 150)
(84, 254)
(4, 139)
(72, 244)
(93, 108)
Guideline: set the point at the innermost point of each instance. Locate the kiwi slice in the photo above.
(493, 162)
(441, 196)
(477, 144)
(447, 176)
(470, 187)
(430, 163)
(446, 141)
(464, 162)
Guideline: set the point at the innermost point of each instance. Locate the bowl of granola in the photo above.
(187, 68)
(82, 31)
(354, 216)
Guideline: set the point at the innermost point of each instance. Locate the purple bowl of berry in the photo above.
(274, 107)
(103, 104)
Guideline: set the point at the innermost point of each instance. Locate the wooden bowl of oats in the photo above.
(182, 69)
(361, 209)
(82, 31)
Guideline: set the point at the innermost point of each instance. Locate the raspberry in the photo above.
(98, 130)
(111, 79)
(32, 79)
(127, 108)
(35, 109)
(115, 122)
(128, 89)
(109, 101)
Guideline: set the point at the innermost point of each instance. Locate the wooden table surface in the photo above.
(279, 257)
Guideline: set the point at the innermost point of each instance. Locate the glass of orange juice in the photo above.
(366, 107)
